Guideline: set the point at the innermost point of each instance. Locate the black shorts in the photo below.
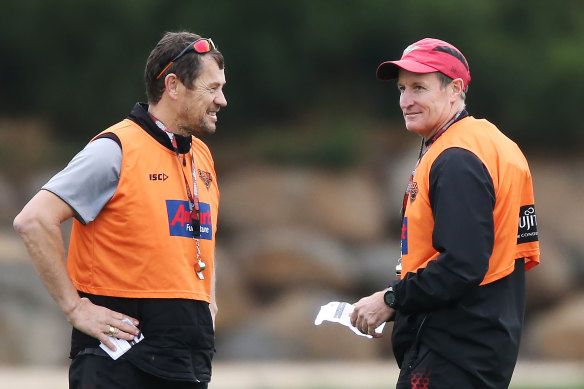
(99, 372)
(426, 369)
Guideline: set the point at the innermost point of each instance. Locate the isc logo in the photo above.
(157, 177)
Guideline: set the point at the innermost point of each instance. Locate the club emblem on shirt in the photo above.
(206, 177)
(413, 191)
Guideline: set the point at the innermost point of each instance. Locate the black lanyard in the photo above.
(423, 149)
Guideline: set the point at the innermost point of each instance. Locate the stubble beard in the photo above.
(201, 128)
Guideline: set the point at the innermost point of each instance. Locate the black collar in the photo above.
(459, 116)
(140, 116)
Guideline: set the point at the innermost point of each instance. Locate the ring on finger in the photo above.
(112, 330)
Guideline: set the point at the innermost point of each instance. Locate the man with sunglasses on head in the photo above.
(144, 198)
(469, 233)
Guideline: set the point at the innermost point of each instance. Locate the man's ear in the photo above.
(457, 86)
(171, 84)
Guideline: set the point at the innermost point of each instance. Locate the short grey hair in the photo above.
(445, 81)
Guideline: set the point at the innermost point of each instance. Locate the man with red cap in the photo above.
(469, 233)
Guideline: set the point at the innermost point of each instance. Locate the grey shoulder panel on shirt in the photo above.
(90, 180)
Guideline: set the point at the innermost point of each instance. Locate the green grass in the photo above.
(577, 386)
(392, 385)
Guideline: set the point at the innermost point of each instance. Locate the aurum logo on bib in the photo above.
(527, 231)
(206, 222)
(179, 219)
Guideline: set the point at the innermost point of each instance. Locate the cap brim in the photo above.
(389, 70)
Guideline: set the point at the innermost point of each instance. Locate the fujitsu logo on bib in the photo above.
(527, 225)
(179, 219)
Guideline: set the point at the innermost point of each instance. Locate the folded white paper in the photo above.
(122, 345)
(339, 312)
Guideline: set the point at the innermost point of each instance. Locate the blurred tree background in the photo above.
(78, 64)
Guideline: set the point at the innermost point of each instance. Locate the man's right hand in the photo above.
(370, 312)
(99, 322)
(39, 225)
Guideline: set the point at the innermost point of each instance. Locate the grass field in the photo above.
(312, 375)
(579, 385)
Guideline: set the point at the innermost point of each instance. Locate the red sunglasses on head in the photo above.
(201, 46)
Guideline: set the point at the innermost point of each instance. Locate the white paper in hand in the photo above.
(122, 345)
(339, 312)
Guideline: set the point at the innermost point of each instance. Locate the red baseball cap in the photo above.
(427, 56)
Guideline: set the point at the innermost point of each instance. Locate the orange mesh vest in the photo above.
(514, 213)
(141, 245)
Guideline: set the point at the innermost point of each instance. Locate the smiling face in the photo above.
(426, 104)
(199, 105)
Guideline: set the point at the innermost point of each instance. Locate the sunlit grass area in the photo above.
(577, 386)
(310, 375)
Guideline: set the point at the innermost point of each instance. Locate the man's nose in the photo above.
(220, 99)
(405, 100)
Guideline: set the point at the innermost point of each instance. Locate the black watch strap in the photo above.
(389, 297)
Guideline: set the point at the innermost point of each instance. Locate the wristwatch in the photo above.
(389, 297)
